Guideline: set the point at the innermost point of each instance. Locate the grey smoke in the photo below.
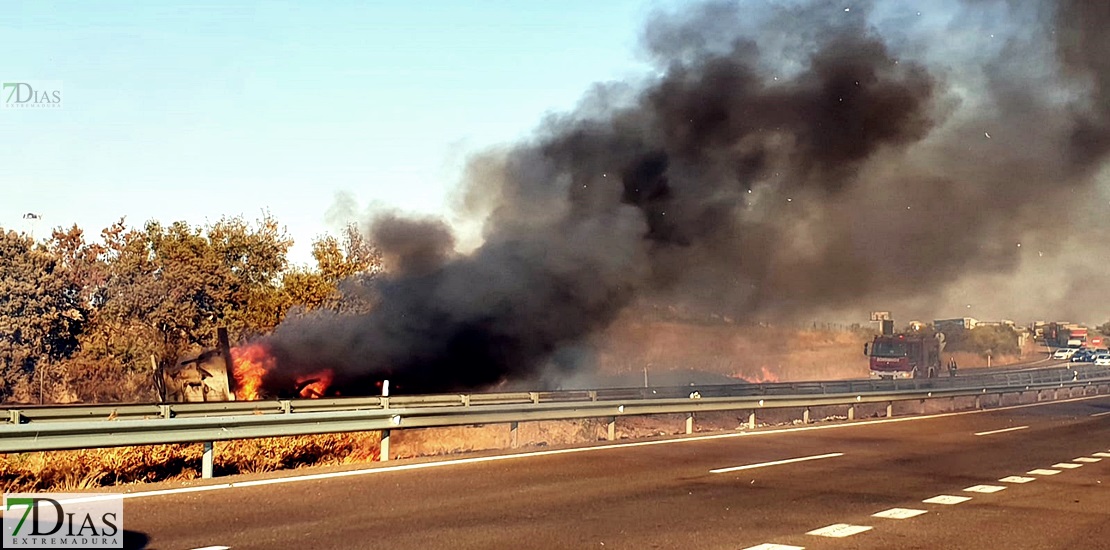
(784, 160)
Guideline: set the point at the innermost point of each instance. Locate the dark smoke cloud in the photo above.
(784, 160)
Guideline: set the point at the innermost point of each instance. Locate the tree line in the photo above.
(90, 319)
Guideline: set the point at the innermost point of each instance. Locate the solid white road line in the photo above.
(769, 546)
(985, 489)
(1043, 472)
(214, 548)
(774, 463)
(992, 432)
(839, 530)
(1017, 479)
(515, 456)
(1096, 415)
(946, 499)
(899, 513)
(1066, 465)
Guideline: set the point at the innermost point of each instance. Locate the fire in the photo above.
(764, 375)
(250, 363)
(314, 385)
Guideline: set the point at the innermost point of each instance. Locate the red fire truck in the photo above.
(905, 355)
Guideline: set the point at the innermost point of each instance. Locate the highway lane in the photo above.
(664, 495)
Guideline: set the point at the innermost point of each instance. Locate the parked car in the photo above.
(1102, 359)
(1063, 353)
(1083, 356)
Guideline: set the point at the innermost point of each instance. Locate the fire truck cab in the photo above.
(904, 356)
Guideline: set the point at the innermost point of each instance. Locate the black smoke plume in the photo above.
(782, 160)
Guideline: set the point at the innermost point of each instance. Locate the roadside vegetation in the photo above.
(87, 319)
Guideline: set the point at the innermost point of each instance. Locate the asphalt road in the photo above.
(665, 494)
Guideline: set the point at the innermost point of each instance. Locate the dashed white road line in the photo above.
(899, 513)
(214, 548)
(839, 530)
(770, 546)
(1043, 472)
(1101, 455)
(985, 489)
(1100, 414)
(1017, 479)
(946, 499)
(774, 463)
(1004, 430)
(1066, 465)
(1086, 459)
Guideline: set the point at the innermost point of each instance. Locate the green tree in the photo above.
(40, 316)
(342, 280)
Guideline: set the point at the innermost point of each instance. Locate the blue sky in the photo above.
(207, 109)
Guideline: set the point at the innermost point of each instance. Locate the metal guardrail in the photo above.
(77, 427)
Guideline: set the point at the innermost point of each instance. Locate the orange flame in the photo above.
(764, 375)
(253, 361)
(317, 384)
(250, 363)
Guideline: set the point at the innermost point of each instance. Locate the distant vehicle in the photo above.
(1064, 353)
(1083, 356)
(1102, 359)
(1075, 343)
(904, 356)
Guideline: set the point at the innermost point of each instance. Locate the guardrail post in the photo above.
(206, 460)
(535, 396)
(889, 409)
(952, 403)
(514, 428)
(751, 420)
(922, 411)
(1056, 394)
(851, 412)
(611, 429)
(286, 406)
(805, 416)
(466, 400)
(383, 455)
(165, 411)
(689, 423)
(593, 395)
(14, 417)
(978, 402)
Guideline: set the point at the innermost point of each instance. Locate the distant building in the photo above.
(949, 326)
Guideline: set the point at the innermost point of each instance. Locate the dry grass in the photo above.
(754, 353)
(92, 468)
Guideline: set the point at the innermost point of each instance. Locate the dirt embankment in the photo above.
(751, 352)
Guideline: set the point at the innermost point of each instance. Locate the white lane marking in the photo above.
(1101, 455)
(899, 513)
(1043, 472)
(774, 463)
(946, 499)
(1017, 479)
(1100, 414)
(1004, 430)
(1086, 459)
(984, 489)
(475, 460)
(839, 530)
(214, 548)
(1067, 465)
(769, 546)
